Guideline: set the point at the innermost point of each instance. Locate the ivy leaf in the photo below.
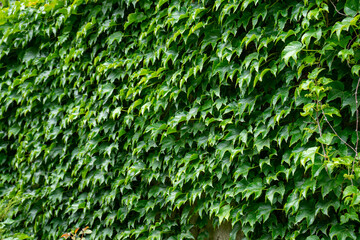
(116, 36)
(350, 190)
(352, 7)
(306, 211)
(340, 26)
(264, 211)
(326, 138)
(291, 51)
(224, 213)
(30, 54)
(261, 143)
(355, 70)
(134, 18)
(342, 232)
(312, 238)
(243, 171)
(352, 215)
(211, 37)
(293, 202)
(235, 230)
(256, 187)
(270, 193)
(309, 154)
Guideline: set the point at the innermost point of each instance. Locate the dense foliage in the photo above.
(147, 119)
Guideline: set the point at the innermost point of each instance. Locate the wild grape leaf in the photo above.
(308, 154)
(224, 213)
(306, 211)
(264, 211)
(292, 202)
(352, 7)
(30, 54)
(255, 187)
(291, 51)
(261, 143)
(116, 36)
(352, 215)
(243, 171)
(270, 193)
(326, 138)
(134, 18)
(342, 232)
(312, 238)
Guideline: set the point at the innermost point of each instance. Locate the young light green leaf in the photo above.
(326, 138)
(291, 51)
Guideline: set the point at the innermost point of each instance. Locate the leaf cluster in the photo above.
(149, 119)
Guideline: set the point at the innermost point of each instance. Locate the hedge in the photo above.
(149, 119)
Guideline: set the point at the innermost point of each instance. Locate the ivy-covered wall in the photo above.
(163, 119)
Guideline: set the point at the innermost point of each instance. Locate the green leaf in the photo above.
(13, 131)
(352, 215)
(270, 193)
(324, 205)
(261, 143)
(224, 213)
(243, 171)
(134, 18)
(293, 202)
(21, 236)
(326, 138)
(223, 68)
(30, 54)
(355, 70)
(134, 105)
(340, 26)
(308, 109)
(346, 54)
(308, 154)
(314, 73)
(264, 212)
(350, 190)
(236, 228)
(342, 232)
(116, 36)
(306, 211)
(291, 51)
(312, 238)
(352, 7)
(255, 187)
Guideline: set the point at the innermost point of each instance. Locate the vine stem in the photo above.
(320, 132)
(338, 10)
(337, 135)
(357, 127)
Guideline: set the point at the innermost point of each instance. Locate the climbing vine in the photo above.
(155, 119)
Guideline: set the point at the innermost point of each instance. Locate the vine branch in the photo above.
(320, 132)
(355, 149)
(357, 127)
(343, 14)
(337, 135)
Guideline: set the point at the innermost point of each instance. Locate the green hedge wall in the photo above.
(147, 119)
